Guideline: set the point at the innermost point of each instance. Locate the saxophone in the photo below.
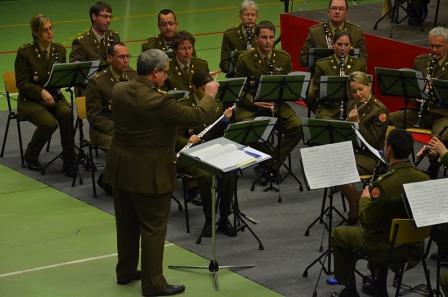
(342, 73)
(327, 35)
(424, 105)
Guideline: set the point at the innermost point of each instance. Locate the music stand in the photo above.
(68, 75)
(315, 54)
(232, 62)
(440, 88)
(209, 157)
(393, 14)
(279, 89)
(405, 83)
(230, 89)
(334, 89)
(319, 133)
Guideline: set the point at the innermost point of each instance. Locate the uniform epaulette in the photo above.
(385, 175)
(58, 44)
(233, 28)
(423, 56)
(317, 25)
(27, 45)
(199, 59)
(354, 25)
(183, 99)
(282, 52)
(248, 52)
(100, 74)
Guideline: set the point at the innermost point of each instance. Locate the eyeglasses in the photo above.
(334, 8)
(106, 16)
(166, 72)
(123, 56)
(185, 48)
(166, 24)
(246, 15)
(48, 30)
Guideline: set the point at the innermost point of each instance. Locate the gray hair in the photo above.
(248, 4)
(149, 60)
(439, 31)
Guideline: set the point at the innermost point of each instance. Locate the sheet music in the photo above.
(371, 148)
(330, 165)
(223, 156)
(428, 201)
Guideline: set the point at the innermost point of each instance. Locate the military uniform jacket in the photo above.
(329, 66)
(178, 79)
(184, 133)
(373, 121)
(98, 96)
(86, 47)
(157, 43)
(316, 39)
(376, 214)
(234, 39)
(141, 158)
(250, 65)
(421, 63)
(33, 69)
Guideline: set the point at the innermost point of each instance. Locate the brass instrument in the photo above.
(203, 132)
(249, 36)
(426, 150)
(424, 105)
(342, 73)
(327, 35)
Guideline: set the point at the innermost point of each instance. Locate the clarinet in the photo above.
(428, 81)
(271, 72)
(203, 132)
(342, 73)
(376, 173)
(426, 150)
(249, 35)
(327, 35)
(56, 61)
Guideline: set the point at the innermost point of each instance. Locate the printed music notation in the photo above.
(330, 165)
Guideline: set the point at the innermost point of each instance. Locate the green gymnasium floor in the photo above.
(54, 245)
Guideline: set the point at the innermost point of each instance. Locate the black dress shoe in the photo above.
(170, 290)
(225, 227)
(107, 188)
(262, 177)
(207, 229)
(137, 276)
(69, 168)
(372, 289)
(351, 221)
(193, 198)
(443, 258)
(33, 165)
(344, 293)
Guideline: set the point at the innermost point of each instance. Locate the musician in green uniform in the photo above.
(379, 205)
(239, 37)
(434, 114)
(264, 60)
(226, 185)
(44, 107)
(317, 38)
(98, 95)
(338, 64)
(372, 117)
(183, 65)
(93, 44)
(141, 167)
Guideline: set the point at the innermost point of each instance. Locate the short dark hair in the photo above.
(98, 7)
(341, 33)
(181, 36)
(346, 4)
(401, 142)
(165, 11)
(200, 78)
(264, 25)
(111, 48)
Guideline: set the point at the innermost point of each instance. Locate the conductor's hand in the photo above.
(194, 139)
(46, 97)
(228, 113)
(268, 105)
(366, 192)
(211, 88)
(353, 115)
(436, 145)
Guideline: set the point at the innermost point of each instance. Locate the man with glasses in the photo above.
(93, 44)
(184, 64)
(98, 95)
(241, 37)
(320, 35)
(141, 167)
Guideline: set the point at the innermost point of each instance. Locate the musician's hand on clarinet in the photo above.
(47, 97)
(211, 88)
(194, 139)
(228, 113)
(267, 105)
(353, 115)
(436, 145)
(420, 152)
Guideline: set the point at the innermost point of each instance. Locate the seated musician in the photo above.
(372, 118)
(432, 115)
(226, 185)
(338, 64)
(379, 205)
(183, 65)
(264, 60)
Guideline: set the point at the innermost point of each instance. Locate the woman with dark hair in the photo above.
(226, 185)
(44, 107)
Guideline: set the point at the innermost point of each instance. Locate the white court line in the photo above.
(66, 263)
